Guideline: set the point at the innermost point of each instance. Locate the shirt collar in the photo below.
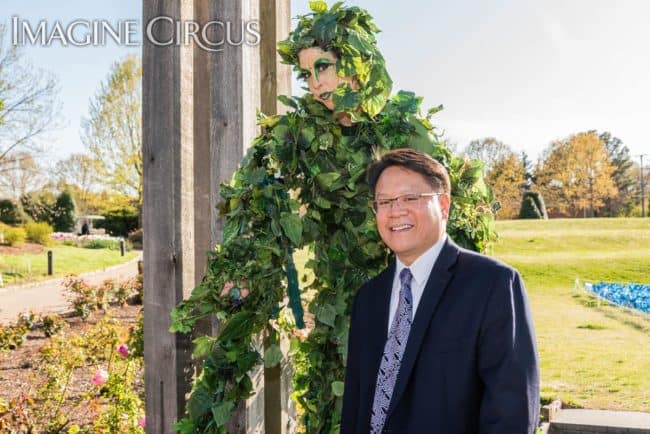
(422, 266)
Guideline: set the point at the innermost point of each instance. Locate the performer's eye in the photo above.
(304, 75)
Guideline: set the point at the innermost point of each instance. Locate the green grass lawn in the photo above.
(593, 356)
(26, 268)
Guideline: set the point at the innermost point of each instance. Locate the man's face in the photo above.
(409, 229)
(319, 72)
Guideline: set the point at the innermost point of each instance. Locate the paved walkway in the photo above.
(601, 421)
(48, 296)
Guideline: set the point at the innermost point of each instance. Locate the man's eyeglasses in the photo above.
(404, 201)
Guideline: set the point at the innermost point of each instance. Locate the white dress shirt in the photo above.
(421, 270)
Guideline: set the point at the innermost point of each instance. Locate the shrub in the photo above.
(12, 213)
(532, 206)
(135, 238)
(12, 336)
(14, 236)
(101, 244)
(81, 295)
(119, 221)
(38, 232)
(39, 206)
(64, 213)
(52, 324)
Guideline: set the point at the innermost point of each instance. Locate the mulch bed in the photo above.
(17, 370)
(27, 248)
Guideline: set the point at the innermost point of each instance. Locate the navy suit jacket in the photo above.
(470, 365)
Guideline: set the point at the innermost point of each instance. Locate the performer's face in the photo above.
(409, 228)
(319, 71)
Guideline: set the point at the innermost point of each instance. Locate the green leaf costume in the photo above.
(303, 183)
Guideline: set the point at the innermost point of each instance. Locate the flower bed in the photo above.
(87, 241)
(633, 295)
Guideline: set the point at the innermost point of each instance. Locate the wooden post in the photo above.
(168, 212)
(275, 22)
(234, 99)
(199, 115)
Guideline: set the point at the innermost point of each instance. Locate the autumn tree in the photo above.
(507, 178)
(20, 173)
(29, 105)
(504, 173)
(77, 175)
(575, 175)
(623, 177)
(489, 150)
(113, 131)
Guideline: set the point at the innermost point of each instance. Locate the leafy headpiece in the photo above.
(349, 33)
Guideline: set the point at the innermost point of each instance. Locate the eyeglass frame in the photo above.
(375, 208)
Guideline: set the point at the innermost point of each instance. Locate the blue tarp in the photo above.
(634, 295)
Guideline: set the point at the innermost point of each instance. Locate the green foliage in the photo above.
(12, 336)
(64, 213)
(14, 236)
(39, 232)
(101, 244)
(52, 324)
(39, 206)
(12, 213)
(136, 336)
(532, 206)
(119, 221)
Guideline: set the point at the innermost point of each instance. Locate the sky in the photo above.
(523, 71)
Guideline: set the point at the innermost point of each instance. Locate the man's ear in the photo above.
(445, 203)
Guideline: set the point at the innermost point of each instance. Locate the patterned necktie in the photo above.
(393, 352)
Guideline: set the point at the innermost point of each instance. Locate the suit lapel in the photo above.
(438, 281)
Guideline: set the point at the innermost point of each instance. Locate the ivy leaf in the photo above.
(337, 388)
(230, 230)
(221, 412)
(327, 179)
(345, 99)
(240, 325)
(326, 314)
(199, 403)
(289, 102)
(203, 346)
(318, 6)
(292, 227)
(407, 102)
(324, 28)
(272, 356)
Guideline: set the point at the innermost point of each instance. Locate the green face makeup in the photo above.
(320, 65)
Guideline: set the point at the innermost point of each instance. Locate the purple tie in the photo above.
(393, 351)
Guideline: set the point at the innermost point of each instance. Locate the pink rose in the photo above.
(143, 422)
(100, 377)
(123, 350)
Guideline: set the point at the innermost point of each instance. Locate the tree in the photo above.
(64, 213)
(507, 179)
(623, 177)
(489, 150)
(575, 175)
(20, 174)
(29, 104)
(77, 175)
(113, 132)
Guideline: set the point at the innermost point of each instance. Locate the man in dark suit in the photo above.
(442, 341)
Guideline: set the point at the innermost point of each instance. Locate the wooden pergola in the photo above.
(199, 110)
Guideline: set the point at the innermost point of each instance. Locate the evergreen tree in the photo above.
(64, 214)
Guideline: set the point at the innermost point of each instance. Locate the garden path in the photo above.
(48, 296)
